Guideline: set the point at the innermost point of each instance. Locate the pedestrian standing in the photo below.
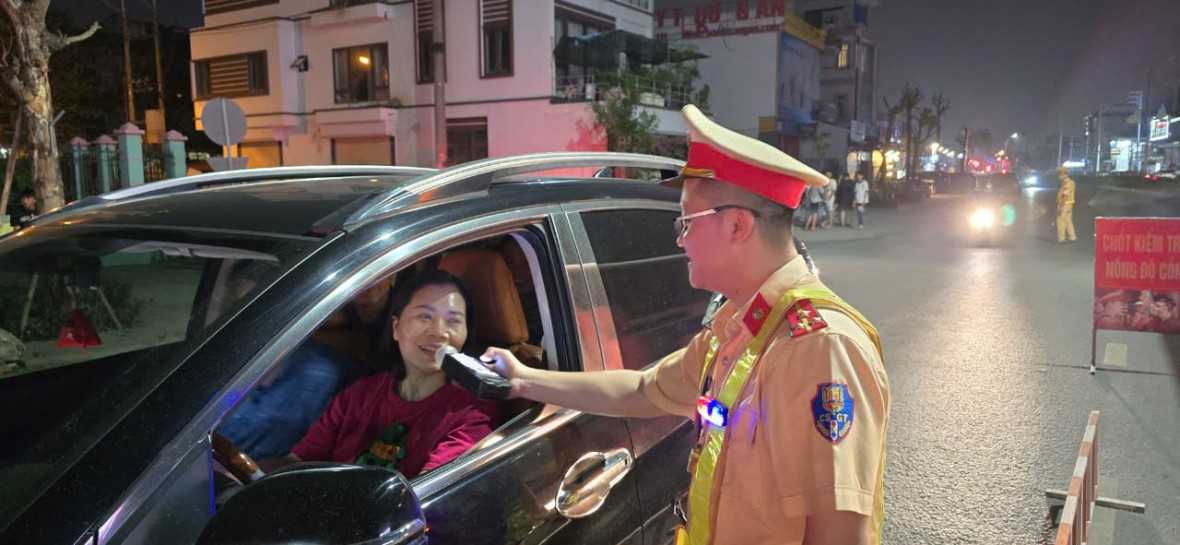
(813, 198)
(830, 199)
(786, 383)
(862, 199)
(846, 199)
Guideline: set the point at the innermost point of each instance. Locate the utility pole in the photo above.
(966, 147)
(159, 68)
(1098, 152)
(1147, 106)
(127, 62)
(438, 48)
(1086, 150)
(1060, 138)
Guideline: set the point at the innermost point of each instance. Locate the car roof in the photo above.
(289, 207)
(318, 206)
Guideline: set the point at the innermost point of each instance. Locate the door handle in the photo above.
(586, 484)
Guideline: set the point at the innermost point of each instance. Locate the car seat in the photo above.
(499, 317)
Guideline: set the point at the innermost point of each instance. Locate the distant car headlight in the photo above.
(983, 219)
(1031, 180)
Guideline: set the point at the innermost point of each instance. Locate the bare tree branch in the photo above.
(39, 8)
(57, 41)
(12, 9)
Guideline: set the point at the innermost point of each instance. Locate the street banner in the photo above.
(1137, 274)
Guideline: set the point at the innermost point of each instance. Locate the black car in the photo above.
(136, 326)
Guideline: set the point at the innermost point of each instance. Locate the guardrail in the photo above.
(1082, 496)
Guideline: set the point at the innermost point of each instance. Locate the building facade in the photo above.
(785, 71)
(351, 82)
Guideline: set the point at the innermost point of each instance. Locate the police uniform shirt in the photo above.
(1066, 193)
(779, 468)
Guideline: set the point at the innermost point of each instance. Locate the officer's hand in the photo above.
(506, 365)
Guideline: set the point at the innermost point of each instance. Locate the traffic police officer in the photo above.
(1065, 207)
(787, 384)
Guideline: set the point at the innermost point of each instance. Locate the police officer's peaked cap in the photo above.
(719, 153)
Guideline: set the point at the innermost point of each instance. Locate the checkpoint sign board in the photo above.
(1137, 274)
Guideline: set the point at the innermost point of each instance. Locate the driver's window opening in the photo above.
(363, 388)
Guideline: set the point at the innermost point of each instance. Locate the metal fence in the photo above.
(155, 161)
(651, 92)
(92, 172)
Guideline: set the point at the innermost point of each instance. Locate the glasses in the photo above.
(682, 223)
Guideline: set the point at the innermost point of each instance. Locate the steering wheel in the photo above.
(240, 464)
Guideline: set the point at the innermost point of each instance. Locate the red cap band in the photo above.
(781, 188)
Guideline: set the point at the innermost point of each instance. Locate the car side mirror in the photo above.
(321, 503)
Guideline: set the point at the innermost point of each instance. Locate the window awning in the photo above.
(602, 50)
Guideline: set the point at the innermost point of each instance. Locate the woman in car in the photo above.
(410, 418)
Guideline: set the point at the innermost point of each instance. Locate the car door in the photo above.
(639, 276)
(551, 474)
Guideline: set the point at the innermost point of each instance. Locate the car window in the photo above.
(93, 317)
(654, 308)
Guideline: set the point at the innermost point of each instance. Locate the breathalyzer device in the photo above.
(473, 375)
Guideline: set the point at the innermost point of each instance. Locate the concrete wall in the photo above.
(301, 113)
(741, 72)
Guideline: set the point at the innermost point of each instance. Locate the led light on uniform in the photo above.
(711, 411)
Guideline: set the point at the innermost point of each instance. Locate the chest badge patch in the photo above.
(832, 409)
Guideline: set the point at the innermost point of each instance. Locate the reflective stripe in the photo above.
(709, 455)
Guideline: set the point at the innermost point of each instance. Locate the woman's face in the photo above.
(434, 316)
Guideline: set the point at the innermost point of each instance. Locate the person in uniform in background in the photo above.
(1065, 197)
(787, 382)
(1110, 311)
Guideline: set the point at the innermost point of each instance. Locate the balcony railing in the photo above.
(651, 92)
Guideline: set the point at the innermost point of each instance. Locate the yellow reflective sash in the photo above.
(709, 455)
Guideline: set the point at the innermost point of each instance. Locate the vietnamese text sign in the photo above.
(1137, 274)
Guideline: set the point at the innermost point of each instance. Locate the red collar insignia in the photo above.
(803, 318)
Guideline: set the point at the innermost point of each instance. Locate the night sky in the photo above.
(1030, 66)
(1025, 65)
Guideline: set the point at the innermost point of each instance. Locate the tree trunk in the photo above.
(46, 169)
(24, 68)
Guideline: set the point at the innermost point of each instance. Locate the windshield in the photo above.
(91, 319)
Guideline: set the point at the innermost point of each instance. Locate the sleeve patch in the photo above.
(832, 410)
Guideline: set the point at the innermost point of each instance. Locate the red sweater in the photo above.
(440, 427)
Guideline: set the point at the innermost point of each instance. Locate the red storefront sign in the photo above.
(1137, 274)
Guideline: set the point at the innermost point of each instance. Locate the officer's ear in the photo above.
(743, 226)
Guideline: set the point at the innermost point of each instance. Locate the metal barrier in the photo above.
(1082, 496)
(1083, 490)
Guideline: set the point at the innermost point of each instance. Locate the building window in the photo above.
(364, 151)
(842, 57)
(262, 154)
(574, 81)
(654, 308)
(361, 74)
(213, 7)
(496, 22)
(841, 106)
(233, 76)
(467, 140)
(424, 25)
